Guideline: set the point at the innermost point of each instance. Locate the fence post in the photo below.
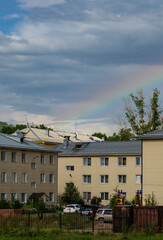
(60, 220)
(29, 220)
(93, 222)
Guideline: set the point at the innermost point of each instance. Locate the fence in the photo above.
(139, 217)
(54, 220)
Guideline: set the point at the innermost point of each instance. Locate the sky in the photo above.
(71, 63)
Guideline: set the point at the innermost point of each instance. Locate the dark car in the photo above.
(92, 208)
(86, 211)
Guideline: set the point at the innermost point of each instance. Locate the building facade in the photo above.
(27, 168)
(98, 168)
(152, 165)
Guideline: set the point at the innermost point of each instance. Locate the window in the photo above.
(51, 159)
(122, 161)
(121, 178)
(104, 196)
(43, 178)
(13, 197)
(86, 196)
(33, 165)
(24, 177)
(70, 168)
(138, 179)
(24, 157)
(14, 177)
(3, 196)
(14, 157)
(86, 161)
(51, 178)
(104, 178)
(51, 196)
(86, 178)
(138, 161)
(24, 197)
(33, 184)
(3, 156)
(3, 177)
(104, 161)
(43, 158)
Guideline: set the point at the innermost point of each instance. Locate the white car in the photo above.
(72, 208)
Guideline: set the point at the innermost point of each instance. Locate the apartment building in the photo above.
(27, 168)
(152, 164)
(51, 138)
(97, 168)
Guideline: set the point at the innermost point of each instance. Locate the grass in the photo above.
(58, 234)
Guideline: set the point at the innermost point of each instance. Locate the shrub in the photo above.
(17, 204)
(150, 200)
(95, 200)
(4, 204)
(151, 230)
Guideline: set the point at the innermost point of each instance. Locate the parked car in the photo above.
(104, 215)
(94, 208)
(86, 211)
(72, 208)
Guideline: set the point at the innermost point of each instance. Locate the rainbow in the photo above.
(148, 79)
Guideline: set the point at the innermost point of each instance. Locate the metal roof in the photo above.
(56, 137)
(10, 141)
(100, 148)
(155, 134)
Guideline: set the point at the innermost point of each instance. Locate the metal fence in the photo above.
(54, 220)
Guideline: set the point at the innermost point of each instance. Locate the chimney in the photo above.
(47, 132)
(20, 135)
(65, 143)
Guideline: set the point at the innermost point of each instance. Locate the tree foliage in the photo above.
(95, 200)
(9, 129)
(100, 135)
(150, 200)
(143, 117)
(122, 135)
(113, 198)
(72, 194)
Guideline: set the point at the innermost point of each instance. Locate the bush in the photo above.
(4, 204)
(151, 230)
(150, 200)
(95, 200)
(17, 204)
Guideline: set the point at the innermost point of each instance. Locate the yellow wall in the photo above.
(153, 168)
(33, 175)
(95, 170)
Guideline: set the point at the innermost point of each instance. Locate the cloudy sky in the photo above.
(74, 61)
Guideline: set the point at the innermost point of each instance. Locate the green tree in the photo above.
(113, 198)
(100, 135)
(143, 117)
(9, 128)
(71, 194)
(95, 200)
(150, 200)
(122, 135)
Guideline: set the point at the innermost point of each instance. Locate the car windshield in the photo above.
(99, 211)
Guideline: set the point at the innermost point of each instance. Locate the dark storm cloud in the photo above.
(64, 50)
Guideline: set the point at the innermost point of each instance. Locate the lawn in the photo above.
(58, 234)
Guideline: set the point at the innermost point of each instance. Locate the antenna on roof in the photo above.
(26, 120)
(28, 125)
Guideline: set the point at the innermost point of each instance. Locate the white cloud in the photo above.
(12, 16)
(39, 3)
